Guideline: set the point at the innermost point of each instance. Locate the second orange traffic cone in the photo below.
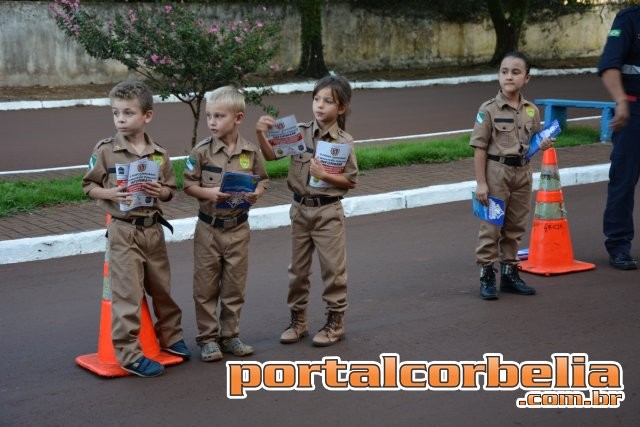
(104, 362)
(550, 250)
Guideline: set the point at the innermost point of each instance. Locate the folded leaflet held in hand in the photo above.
(494, 213)
(237, 184)
(550, 131)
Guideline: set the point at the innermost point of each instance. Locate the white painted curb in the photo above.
(302, 87)
(47, 247)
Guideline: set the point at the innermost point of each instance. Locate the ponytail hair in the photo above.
(341, 91)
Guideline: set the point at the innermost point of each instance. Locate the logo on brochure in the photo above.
(335, 151)
(495, 211)
(279, 125)
(142, 167)
(235, 199)
(121, 170)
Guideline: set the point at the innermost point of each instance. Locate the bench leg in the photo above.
(605, 123)
(554, 112)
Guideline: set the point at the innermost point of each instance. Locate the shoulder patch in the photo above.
(92, 161)
(615, 32)
(190, 163)
(480, 117)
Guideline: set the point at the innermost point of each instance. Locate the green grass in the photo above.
(24, 196)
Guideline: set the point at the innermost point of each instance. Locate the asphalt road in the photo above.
(413, 291)
(65, 136)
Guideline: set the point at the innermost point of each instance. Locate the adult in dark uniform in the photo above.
(619, 68)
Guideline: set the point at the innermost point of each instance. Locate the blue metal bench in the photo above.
(557, 109)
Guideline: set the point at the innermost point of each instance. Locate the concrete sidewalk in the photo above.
(79, 228)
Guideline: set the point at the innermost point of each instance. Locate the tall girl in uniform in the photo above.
(317, 218)
(504, 126)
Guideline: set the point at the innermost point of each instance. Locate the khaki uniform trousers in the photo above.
(221, 261)
(513, 185)
(138, 263)
(321, 228)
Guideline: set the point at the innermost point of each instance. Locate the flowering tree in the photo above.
(175, 50)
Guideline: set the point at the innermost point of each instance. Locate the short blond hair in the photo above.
(229, 96)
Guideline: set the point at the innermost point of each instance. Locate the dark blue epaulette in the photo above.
(629, 10)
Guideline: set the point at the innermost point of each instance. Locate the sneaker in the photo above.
(179, 349)
(210, 352)
(145, 368)
(235, 347)
(623, 261)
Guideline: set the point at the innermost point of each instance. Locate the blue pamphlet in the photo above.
(494, 213)
(550, 131)
(236, 184)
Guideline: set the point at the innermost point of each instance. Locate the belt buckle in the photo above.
(523, 161)
(230, 222)
(502, 160)
(148, 221)
(309, 202)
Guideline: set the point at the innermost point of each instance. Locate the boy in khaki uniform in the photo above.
(317, 217)
(221, 240)
(504, 126)
(138, 253)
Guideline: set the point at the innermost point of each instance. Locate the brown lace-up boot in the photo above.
(332, 331)
(296, 329)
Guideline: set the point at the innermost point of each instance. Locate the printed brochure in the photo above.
(237, 184)
(494, 213)
(285, 137)
(550, 131)
(333, 158)
(133, 175)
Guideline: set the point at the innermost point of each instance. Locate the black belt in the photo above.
(223, 222)
(315, 201)
(509, 161)
(147, 221)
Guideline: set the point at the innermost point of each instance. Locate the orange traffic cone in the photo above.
(104, 362)
(550, 250)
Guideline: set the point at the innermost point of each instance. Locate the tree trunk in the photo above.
(195, 106)
(508, 19)
(312, 58)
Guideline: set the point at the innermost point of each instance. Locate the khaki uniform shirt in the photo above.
(102, 172)
(298, 177)
(209, 160)
(504, 131)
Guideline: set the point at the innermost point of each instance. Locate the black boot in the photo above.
(511, 282)
(488, 282)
